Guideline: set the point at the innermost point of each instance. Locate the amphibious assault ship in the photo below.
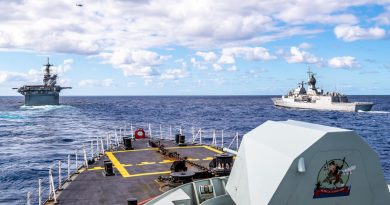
(315, 98)
(46, 94)
(320, 165)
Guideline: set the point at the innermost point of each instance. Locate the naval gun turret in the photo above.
(46, 94)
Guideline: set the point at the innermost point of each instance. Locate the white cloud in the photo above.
(343, 62)
(304, 46)
(352, 33)
(63, 68)
(135, 62)
(6, 76)
(217, 67)
(198, 64)
(383, 18)
(174, 74)
(89, 83)
(247, 53)
(299, 56)
(131, 84)
(232, 68)
(140, 25)
(108, 82)
(226, 59)
(207, 56)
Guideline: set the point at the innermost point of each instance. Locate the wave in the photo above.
(44, 107)
(375, 112)
(10, 116)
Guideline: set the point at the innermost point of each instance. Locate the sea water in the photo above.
(32, 139)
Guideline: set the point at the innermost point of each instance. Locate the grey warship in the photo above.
(144, 169)
(46, 94)
(315, 98)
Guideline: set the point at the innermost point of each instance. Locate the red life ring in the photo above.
(139, 133)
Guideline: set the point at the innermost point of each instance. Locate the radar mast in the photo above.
(47, 75)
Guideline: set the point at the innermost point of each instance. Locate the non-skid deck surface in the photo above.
(136, 171)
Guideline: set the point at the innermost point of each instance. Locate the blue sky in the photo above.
(185, 47)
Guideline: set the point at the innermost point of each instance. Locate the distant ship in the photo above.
(315, 98)
(46, 94)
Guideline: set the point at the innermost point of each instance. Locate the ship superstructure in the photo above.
(316, 98)
(46, 94)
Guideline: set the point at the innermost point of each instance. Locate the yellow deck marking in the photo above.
(145, 163)
(165, 161)
(207, 158)
(127, 165)
(121, 167)
(95, 168)
(117, 164)
(213, 149)
(191, 159)
(149, 173)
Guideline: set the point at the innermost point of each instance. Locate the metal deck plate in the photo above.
(136, 171)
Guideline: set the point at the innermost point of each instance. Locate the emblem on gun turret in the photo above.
(333, 178)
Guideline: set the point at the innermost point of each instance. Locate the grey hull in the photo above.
(41, 99)
(350, 107)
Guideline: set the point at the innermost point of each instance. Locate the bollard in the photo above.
(132, 201)
(108, 169)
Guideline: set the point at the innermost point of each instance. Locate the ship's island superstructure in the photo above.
(46, 94)
(316, 98)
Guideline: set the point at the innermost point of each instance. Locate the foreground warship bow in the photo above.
(46, 94)
(315, 98)
(319, 165)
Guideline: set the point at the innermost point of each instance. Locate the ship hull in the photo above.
(41, 99)
(350, 107)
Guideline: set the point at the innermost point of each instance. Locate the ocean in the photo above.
(32, 139)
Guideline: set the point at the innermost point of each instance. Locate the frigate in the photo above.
(46, 94)
(320, 165)
(316, 98)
